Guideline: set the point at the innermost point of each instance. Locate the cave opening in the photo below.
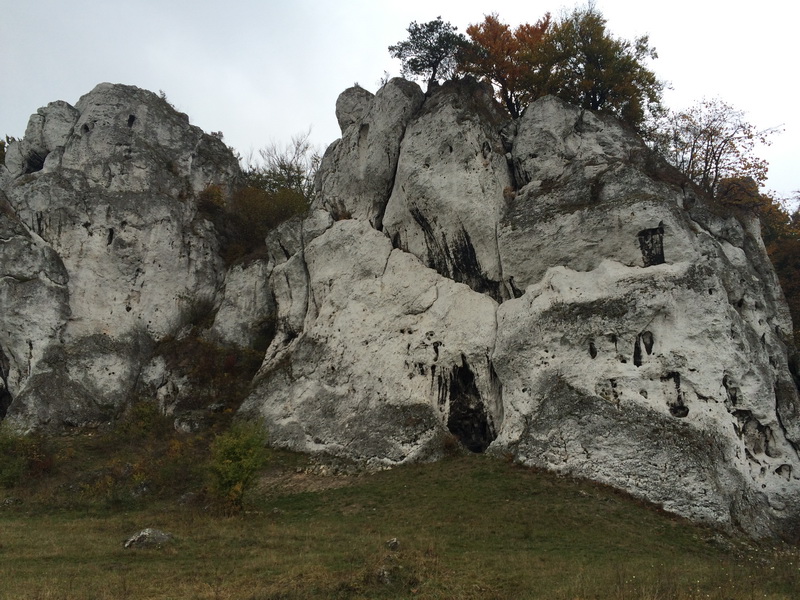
(33, 162)
(468, 419)
(5, 395)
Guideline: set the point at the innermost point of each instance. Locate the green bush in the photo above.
(237, 455)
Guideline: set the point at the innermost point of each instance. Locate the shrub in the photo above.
(237, 455)
(244, 220)
(22, 456)
(212, 195)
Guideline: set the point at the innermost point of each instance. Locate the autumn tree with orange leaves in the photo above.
(575, 59)
(504, 57)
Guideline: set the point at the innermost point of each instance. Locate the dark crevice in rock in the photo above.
(651, 243)
(131, 120)
(731, 390)
(515, 291)
(593, 349)
(468, 419)
(110, 239)
(758, 438)
(33, 162)
(794, 367)
(5, 394)
(646, 340)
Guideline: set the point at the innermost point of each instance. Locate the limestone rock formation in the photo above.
(357, 170)
(104, 250)
(546, 289)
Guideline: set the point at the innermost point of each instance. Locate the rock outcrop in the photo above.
(546, 289)
(104, 252)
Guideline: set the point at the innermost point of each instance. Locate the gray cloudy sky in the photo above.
(261, 71)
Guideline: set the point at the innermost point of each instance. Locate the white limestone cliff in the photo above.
(546, 289)
(604, 321)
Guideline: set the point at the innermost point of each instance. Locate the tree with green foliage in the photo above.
(575, 59)
(582, 63)
(430, 50)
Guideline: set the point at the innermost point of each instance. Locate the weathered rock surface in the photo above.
(544, 288)
(447, 198)
(640, 337)
(358, 170)
(104, 250)
(393, 352)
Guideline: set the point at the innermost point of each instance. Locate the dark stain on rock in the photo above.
(457, 259)
(677, 406)
(651, 243)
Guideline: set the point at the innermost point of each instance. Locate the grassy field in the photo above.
(469, 526)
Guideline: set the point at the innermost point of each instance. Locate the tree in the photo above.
(503, 57)
(430, 50)
(277, 185)
(580, 62)
(290, 167)
(780, 231)
(712, 141)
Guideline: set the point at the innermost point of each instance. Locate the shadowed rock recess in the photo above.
(541, 288)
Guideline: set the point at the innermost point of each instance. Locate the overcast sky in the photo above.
(261, 71)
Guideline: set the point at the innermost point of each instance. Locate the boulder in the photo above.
(387, 356)
(448, 193)
(148, 538)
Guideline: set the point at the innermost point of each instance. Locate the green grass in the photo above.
(469, 527)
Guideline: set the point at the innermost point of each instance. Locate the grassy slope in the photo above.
(469, 527)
